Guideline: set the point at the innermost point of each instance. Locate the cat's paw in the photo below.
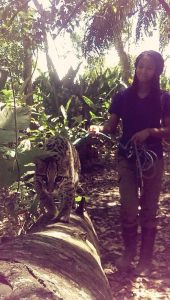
(63, 219)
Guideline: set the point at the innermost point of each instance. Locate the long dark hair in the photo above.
(155, 91)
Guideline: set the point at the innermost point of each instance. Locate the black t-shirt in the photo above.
(138, 114)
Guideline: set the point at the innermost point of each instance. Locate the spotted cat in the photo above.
(56, 178)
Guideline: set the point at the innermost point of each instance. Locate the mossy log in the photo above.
(58, 261)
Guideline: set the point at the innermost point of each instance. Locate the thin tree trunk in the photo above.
(124, 59)
(53, 75)
(27, 73)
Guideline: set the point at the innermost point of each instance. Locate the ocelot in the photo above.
(57, 177)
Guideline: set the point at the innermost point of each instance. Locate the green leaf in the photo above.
(79, 198)
(24, 146)
(7, 118)
(68, 104)
(9, 174)
(32, 155)
(88, 101)
(8, 129)
(25, 162)
(6, 152)
(8, 136)
(63, 111)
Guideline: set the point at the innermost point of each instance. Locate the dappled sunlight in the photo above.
(103, 207)
(146, 289)
(167, 173)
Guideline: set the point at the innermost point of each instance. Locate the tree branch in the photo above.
(74, 11)
(20, 8)
(166, 6)
(70, 16)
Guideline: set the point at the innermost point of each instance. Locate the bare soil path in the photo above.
(103, 207)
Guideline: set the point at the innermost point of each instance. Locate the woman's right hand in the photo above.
(94, 129)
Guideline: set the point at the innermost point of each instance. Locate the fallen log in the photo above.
(59, 261)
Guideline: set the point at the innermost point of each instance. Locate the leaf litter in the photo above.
(100, 185)
(103, 207)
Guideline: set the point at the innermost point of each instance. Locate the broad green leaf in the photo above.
(33, 154)
(25, 161)
(7, 118)
(9, 174)
(8, 136)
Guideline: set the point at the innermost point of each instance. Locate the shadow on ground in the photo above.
(103, 207)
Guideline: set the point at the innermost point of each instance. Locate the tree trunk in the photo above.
(55, 81)
(27, 72)
(166, 6)
(60, 261)
(124, 59)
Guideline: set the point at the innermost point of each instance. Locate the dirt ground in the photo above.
(103, 207)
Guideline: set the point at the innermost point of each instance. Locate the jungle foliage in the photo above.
(70, 104)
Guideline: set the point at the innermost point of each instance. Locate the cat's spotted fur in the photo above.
(56, 178)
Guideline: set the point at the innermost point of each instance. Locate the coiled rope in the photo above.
(145, 160)
(144, 157)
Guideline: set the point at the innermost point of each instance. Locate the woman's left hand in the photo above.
(140, 136)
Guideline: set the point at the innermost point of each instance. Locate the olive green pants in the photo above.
(135, 208)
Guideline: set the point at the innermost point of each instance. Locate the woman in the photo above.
(143, 108)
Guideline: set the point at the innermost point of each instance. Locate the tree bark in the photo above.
(60, 261)
(124, 59)
(55, 81)
(27, 72)
(166, 6)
